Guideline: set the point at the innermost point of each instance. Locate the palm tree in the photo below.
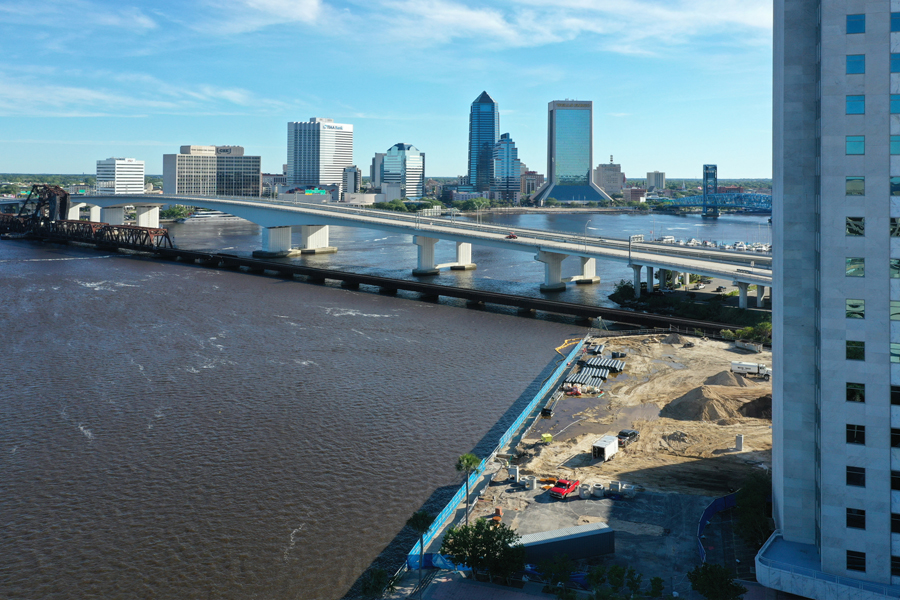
(420, 522)
(467, 463)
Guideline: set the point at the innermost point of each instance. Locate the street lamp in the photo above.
(631, 239)
(585, 234)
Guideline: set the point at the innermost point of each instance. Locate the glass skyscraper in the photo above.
(570, 153)
(484, 131)
(404, 164)
(507, 169)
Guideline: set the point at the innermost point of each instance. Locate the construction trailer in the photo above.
(580, 541)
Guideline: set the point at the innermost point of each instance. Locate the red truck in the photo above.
(563, 488)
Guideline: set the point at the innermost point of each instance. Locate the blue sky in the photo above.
(675, 83)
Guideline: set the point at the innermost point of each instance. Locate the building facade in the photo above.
(120, 176)
(507, 169)
(836, 310)
(484, 131)
(376, 171)
(318, 151)
(609, 177)
(212, 171)
(570, 158)
(351, 180)
(656, 180)
(531, 181)
(404, 164)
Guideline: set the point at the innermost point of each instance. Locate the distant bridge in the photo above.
(712, 203)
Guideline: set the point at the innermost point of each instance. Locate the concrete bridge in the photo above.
(551, 248)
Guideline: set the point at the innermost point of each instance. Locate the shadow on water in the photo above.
(394, 554)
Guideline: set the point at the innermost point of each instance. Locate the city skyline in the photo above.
(186, 74)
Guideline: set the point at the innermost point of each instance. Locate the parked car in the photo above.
(721, 288)
(699, 286)
(628, 436)
(563, 488)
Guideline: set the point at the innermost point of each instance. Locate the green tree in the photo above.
(753, 509)
(616, 577)
(633, 581)
(374, 582)
(656, 587)
(467, 463)
(420, 522)
(597, 576)
(482, 546)
(558, 569)
(715, 582)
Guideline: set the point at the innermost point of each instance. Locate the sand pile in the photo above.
(673, 338)
(704, 403)
(761, 408)
(728, 378)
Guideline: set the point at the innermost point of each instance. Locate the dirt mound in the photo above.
(761, 408)
(673, 338)
(728, 378)
(702, 404)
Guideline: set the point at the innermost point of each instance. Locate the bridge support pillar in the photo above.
(742, 291)
(146, 216)
(760, 295)
(686, 280)
(552, 270)
(74, 212)
(637, 279)
(113, 216)
(588, 271)
(663, 279)
(315, 240)
(276, 243)
(95, 214)
(649, 280)
(426, 264)
(463, 257)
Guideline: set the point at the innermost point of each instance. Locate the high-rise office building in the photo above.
(120, 176)
(531, 181)
(351, 180)
(570, 153)
(656, 181)
(836, 307)
(609, 178)
(405, 165)
(484, 131)
(376, 170)
(212, 171)
(318, 151)
(507, 169)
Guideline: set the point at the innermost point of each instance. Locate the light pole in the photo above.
(630, 239)
(585, 234)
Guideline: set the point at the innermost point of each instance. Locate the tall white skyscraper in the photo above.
(507, 169)
(120, 176)
(405, 164)
(318, 151)
(836, 306)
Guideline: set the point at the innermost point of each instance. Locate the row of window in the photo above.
(856, 392)
(856, 561)
(856, 144)
(856, 350)
(856, 267)
(856, 105)
(857, 23)
(856, 309)
(856, 477)
(856, 185)
(856, 226)
(856, 63)
(856, 434)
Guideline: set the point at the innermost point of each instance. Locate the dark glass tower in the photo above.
(484, 131)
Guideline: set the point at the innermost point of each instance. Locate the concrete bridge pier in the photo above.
(742, 290)
(426, 264)
(760, 295)
(649, 280)
(686, 280)
(113, 216)
(552, 270)
(74, 212)
(96, 212)
(463, 257)
(276, 243)
(315, 240)
(663, 278)
(146, 216)
(588, 271)
(637, 280)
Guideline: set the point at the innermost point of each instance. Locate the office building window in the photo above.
(856, 226)
(856, 350)
(895, 353)
(895, 144)
(895, 310)
(856, 392)
(895, 103)
(856, 518)
(895, 63)
(856, 144)
(856, 105)
(856, 186)
(895, 564)
(895, 226)
(856, 267)
(895, 395)
(895, 438)
(895, 480)
(895, 523)
(856, 561)
(856, 309)
(856, 63)
(856, 476)
(895, 21)
(895, 186)
(856, 434)
(856, 23)
(895, 268)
